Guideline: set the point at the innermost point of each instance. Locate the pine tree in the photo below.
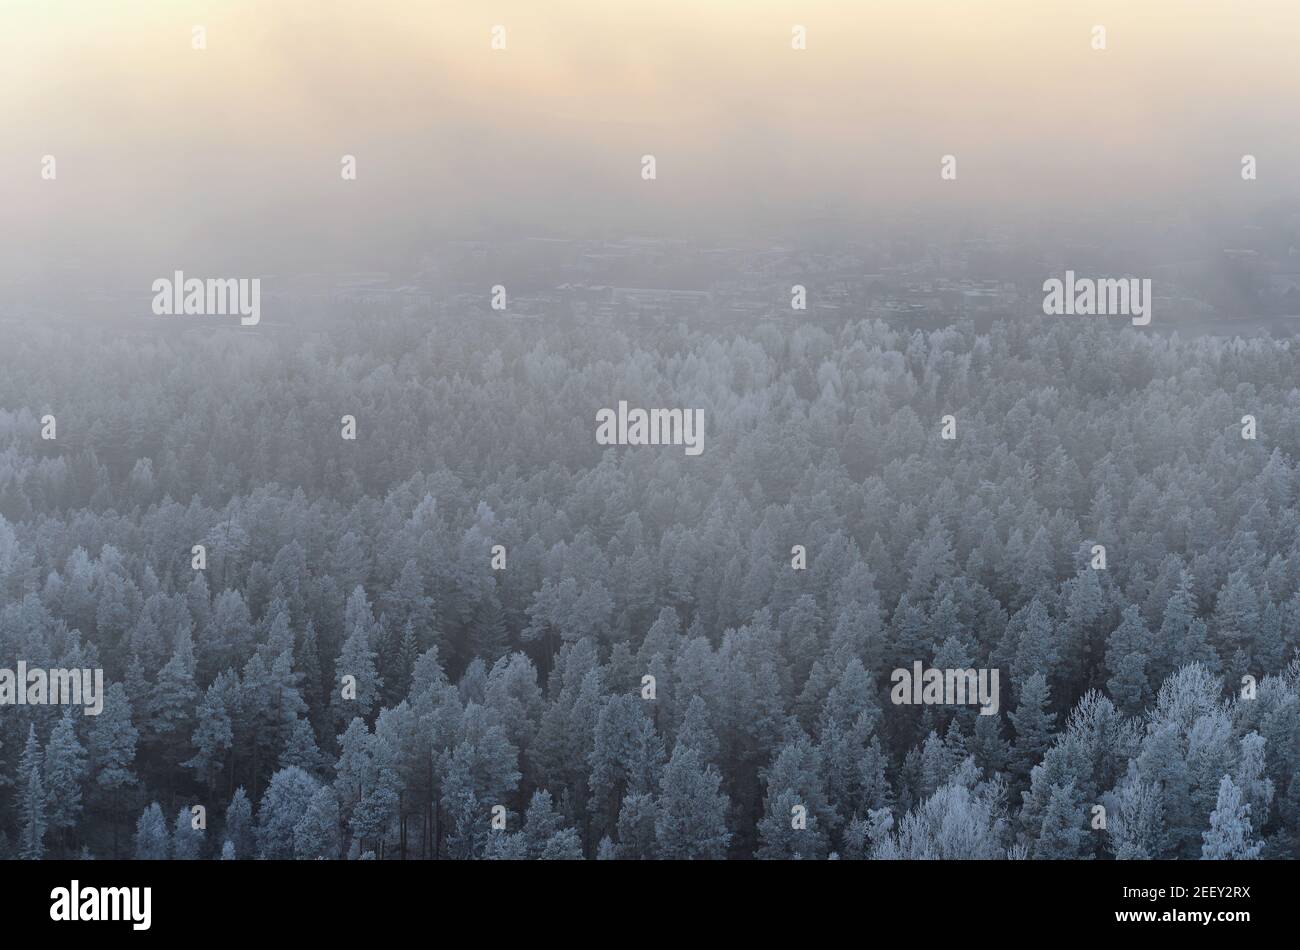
(111, 748)
(357, 660)
(873, 778)
(286, 800)
(286, 705)
(489, 635)
(407, 604)
(564, 845)
(317, 833)
(187, 841)
(691, 812)
(213, 736)
(797, 820)
(1270, 649)
(1184, 637)
(845, 728)
(541, 820)
(32, 823)
(238, 829)
(1035, 642)
(375, 812)
(468, 834)
(65, 772)
(963, 820)
(1032, 724)
(308, 664)
(627, 756)
(408, 652)
(151, 842)
(515, 698)
(136, 683)
(353, 769)
(937, 764)
(1062, 831)
(507, 846)
(1195, 647)
(1163, 763)
(1256, 787)
(488, 755)
(171, 704)
(636, 827)
(367, 776)
(256, 724)
(1126, 659)
(1136, 826)
(697, 733)
(1236, 611)
(31, 759)
(302, 751)
(987, 745)
(1229, 836)
(544, 836)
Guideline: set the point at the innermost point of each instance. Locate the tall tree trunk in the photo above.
(401, 823)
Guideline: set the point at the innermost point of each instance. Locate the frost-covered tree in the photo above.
(797, 819)
(151, 840)
(1229, 836)
(1063, 828)
(65, 774)
(32, 800)
(238, 828)
(317, 833)
(187, 840)
(287, 799)
(962, 820)
(690, 818)
(1032, 724)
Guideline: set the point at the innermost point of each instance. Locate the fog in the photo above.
(228, 158)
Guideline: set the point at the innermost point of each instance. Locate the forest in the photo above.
(353, 674)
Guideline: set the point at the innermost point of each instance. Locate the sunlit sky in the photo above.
(233, 152)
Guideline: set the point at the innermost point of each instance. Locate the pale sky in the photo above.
(231, 155)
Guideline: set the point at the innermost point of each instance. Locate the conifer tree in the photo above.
(65, 773)
(32, 821)
(239, 829)
(151, 839)
(1229, 836)
(317, 833)
(797, 820)
(1032, 724)
(690, 818)
(187, 841)
(635, 828)
(287, 799)
(1061, 835)
(1126, 659)
(302, 751)
(111, 748)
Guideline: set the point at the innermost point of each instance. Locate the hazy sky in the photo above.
(229, 157)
